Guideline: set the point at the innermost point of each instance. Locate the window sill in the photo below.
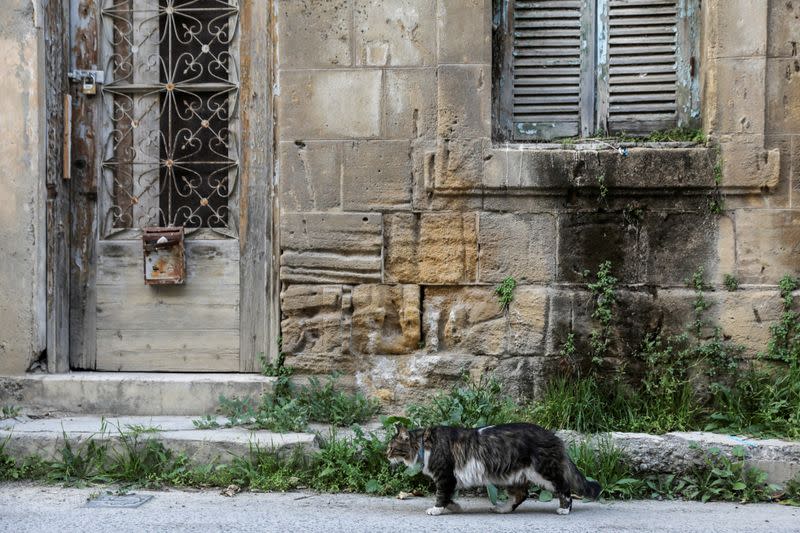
(551, 168)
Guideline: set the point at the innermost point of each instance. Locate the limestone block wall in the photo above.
(399, 214)
(22, 265)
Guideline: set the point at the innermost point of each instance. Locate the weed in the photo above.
(326, 404)
(9, 411)
(279, 413)
(603, 188)
(722, 478)
(633, 213)
(784, 344)
(276, 369)
(206, 422)
(505, 292)
(603, 291)
(583, 404)
(716, 204)
(731, 283)
(11, 469)
(470, 404)
(681, 134)
(139, 460)
(608, 466)
(699, 304)
(791, 492)
(80, 462)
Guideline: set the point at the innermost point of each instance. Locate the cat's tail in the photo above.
(579, 484)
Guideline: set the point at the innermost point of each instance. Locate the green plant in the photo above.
(139, 458)
(681, 134)
(505, 292)
(470, 404)
(583, 403)
(80, 462)
(728, 479)
(326, 404)
(603, 188)
(784, 343)
(278, 413)
(608, 466)
(633, 213)
(206, 422)
(699, 304)
(791, 492)
(603, 290)
(9, 411)
(730, 282)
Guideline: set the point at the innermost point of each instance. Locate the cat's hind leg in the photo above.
(516, 495)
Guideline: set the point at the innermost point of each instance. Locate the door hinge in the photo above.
(89, 79)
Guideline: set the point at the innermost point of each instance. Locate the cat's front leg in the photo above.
(444, 497)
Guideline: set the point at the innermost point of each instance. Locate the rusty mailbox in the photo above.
(164, 257)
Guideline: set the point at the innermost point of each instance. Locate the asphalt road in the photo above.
(26, 507)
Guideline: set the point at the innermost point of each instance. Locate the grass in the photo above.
(9, 411)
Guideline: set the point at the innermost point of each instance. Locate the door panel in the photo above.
(166, 139)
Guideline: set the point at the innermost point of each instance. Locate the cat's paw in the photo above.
(453, 507)
(501, 509)
(435, 511)
(562, 510)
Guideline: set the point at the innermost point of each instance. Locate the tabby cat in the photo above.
(510, 455)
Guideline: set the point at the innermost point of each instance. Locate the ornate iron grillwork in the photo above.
(170, 156)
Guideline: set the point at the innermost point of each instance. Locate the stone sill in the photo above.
(595, 145)
(551, 169)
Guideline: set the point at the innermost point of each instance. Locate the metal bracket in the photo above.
(89, 79)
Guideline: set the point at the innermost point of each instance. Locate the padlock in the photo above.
(89, 85)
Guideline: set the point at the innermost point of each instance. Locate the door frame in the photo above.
(71, 240)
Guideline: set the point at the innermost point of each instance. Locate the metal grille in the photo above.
(170, 156)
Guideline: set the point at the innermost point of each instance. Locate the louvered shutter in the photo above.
(546, 69)
(642, 77)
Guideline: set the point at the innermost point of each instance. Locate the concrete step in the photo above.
(127, 393)
(24, 436)
(681, 450)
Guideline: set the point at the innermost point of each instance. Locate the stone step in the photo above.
(127, 393)
(679, 451)
(24, 436)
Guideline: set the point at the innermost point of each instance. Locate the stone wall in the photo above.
(399, 215)
(22, 283)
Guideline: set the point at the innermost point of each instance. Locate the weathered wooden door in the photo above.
(178, 134)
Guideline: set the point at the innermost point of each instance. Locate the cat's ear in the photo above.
(402, 432)
(427, 435)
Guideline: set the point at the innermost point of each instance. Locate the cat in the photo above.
(512, 456)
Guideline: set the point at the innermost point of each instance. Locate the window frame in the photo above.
(594, 87)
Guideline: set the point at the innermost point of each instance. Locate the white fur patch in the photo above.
(535, 478)
(484, 429)
(473, 474)
(562, 511)
(435, 511)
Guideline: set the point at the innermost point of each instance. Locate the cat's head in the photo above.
(404, 446)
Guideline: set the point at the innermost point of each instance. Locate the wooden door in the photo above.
(178, 134)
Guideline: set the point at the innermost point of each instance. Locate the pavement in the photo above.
(26, 507)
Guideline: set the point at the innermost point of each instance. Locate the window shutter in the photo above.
(638, 80)
(546, 69)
